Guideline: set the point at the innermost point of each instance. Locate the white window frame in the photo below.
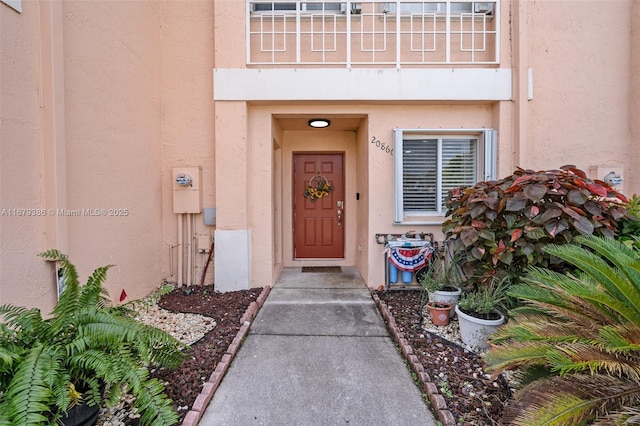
(303, 6)
(439, 7)
(486, 163)
(14, 4)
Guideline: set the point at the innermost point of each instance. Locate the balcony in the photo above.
(372, 33)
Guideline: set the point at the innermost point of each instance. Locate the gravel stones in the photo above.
(187, 328)
(451, 331)
(222, 311)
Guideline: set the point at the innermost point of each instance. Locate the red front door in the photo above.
(318, 225)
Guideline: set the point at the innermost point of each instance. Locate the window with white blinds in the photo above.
(429, 165)
(419, 175)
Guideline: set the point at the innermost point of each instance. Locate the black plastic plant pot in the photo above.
(81, 415)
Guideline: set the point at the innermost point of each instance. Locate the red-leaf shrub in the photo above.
(502, 225)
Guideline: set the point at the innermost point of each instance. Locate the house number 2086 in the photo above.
(383, 146)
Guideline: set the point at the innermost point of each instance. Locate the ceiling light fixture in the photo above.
(319, 123)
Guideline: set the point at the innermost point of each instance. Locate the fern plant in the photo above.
(85, 351)
(576, 341)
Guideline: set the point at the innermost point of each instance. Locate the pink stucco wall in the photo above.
(634, 101)
(100, 100)
(22, 275)
(113, 110)
(127, 103)
(186, 123)
(580, 53)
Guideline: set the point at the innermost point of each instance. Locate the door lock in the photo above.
(340, 205)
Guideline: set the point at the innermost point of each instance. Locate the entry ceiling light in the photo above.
(319, 123)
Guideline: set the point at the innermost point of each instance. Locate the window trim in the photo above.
(487, 139)
(303, 7)
(413, 8)
(14, 4)
(475, 10)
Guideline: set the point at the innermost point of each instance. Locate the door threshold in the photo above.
(325, 269)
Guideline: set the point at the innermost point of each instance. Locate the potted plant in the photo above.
(440, 312)
(441, 280)
(480, 312)
(85, 352)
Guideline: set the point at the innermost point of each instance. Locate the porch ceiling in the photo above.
(338, 122)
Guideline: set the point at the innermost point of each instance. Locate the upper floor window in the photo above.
(430, 163)
(14, 4)
(304, 6)
(439, 7)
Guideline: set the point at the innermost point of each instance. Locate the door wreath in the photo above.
(317, 188)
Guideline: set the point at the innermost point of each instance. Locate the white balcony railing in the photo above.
(375, 32)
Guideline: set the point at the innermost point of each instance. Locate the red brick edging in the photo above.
(438, 403)
(202, 401)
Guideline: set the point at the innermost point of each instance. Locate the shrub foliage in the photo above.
(630, 225)
(501, 226)
(576, 341)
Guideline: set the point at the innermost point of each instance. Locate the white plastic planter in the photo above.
(447, 297)
(474, 332)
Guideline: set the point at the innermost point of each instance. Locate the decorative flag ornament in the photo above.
(410, 259)
(123, 295)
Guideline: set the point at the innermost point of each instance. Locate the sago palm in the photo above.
(85, 351)
(576, 340)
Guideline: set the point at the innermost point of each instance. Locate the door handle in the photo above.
(339, 217)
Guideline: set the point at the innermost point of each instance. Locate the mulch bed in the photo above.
(472, 397)
(186, 382)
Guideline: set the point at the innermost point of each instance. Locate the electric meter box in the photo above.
(187, 189)
(613, 175)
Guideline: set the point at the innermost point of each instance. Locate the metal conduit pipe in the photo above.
(189, 258)
(180, 249)
(194, 250)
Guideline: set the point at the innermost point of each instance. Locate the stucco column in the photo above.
(634, 99)
(232, 235)
(53, 124)
(520, 82)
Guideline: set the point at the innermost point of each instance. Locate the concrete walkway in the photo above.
(318, 353)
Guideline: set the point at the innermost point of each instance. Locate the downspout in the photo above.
(180, 249)
(522, 80)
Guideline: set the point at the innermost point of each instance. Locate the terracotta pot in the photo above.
(447, 296)
(440, 312)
